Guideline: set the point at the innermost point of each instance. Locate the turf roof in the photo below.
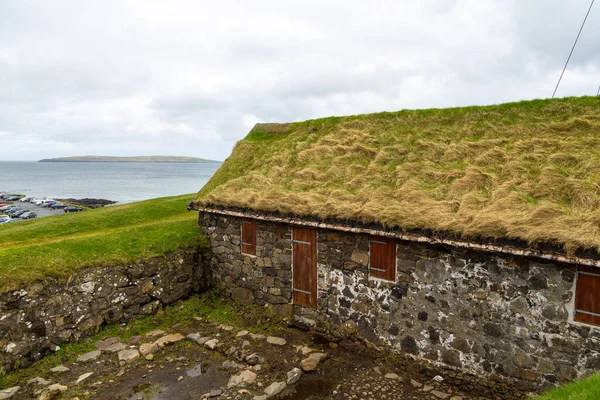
(528, 170)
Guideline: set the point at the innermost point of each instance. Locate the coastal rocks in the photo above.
(39, 319)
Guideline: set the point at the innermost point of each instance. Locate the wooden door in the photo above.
(249, 237)
(587, 301)
(304, 265)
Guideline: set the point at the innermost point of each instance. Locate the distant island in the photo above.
(139, 159)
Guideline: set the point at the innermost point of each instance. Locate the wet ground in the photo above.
(207, 360)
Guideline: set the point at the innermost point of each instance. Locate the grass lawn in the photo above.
(58, 246)
(586, 389)
(528, 170)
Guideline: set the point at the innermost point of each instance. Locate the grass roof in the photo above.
(528, 171)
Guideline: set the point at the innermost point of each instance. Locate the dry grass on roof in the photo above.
(527, 170)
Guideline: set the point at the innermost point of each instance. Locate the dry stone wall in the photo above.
(38, 319)
(491, 315)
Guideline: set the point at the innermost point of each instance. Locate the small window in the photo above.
(587, 295)
(249, 237)
(382, 260)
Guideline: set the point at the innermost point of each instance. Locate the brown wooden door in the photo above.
(587, 295)
(382, 260)
(249, 236)
(304, 248)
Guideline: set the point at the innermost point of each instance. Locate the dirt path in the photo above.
(209, 360)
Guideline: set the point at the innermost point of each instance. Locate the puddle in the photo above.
(317, 338)
(195, 372)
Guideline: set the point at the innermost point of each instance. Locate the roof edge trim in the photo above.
(490, 248)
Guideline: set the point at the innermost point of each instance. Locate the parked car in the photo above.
(25, 199)
(72, 209)
(9, 209)
(4, 219)
(13, 211)
(49, 203)
(14, 198)
(28, 215)
(14, 220)
(58, 205)
(19, 213)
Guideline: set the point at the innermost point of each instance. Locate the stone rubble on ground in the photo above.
(89, 356)
(39, 381)
(276, 341)
(8, 393)
(59, 368)
(293, 376)
(275, 388)
(313, 360)
(242, 378)
(128, 355)
(148, 348)
(169, 339)
(83, 377)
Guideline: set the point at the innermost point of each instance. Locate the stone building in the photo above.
(465, 237)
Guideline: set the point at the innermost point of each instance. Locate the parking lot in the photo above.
(39, 210)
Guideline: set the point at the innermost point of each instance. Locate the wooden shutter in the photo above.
(382, 260)
(587, 295)
(304, 264)
(249, 237)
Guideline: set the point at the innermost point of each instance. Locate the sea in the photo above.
(120, 182)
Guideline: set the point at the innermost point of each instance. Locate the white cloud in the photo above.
(191, 78)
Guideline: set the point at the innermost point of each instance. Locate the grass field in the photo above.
(586, 389)
(528, 170)
(59, 246)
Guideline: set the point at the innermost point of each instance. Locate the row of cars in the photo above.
(13, 212)
(50, 203)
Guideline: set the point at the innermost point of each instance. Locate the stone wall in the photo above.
(500, 316)
(38, 319)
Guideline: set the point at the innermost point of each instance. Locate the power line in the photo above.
(573, 48)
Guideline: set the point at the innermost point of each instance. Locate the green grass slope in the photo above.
(61, 245)
(528, 170)
(585, 389)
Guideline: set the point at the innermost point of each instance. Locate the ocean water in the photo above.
(121, 182)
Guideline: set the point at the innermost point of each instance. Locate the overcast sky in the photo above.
(191, 78)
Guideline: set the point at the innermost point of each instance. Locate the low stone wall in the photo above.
(504, 317)
(38, 319)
